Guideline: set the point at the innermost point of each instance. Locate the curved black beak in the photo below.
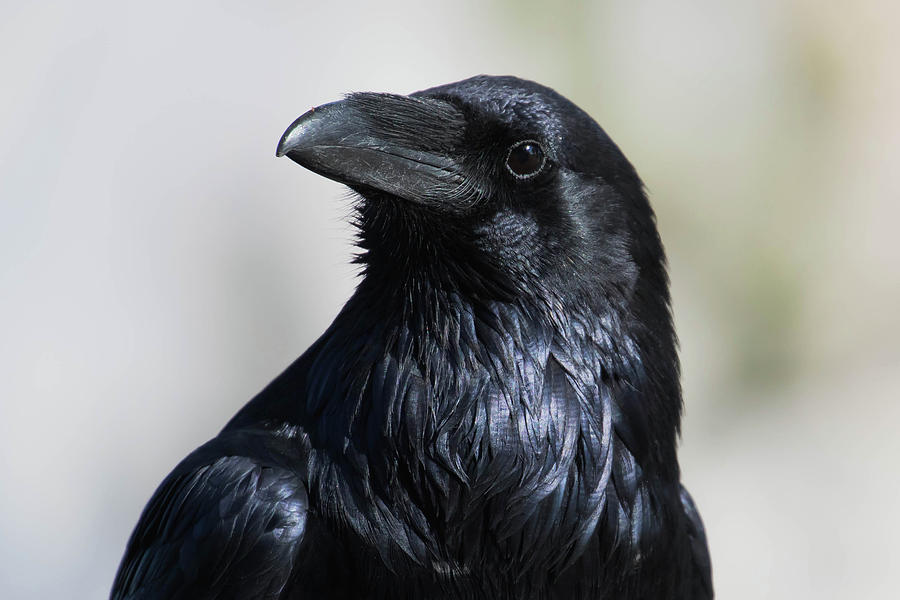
(396, 144)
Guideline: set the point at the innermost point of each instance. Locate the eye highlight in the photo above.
(525, 159)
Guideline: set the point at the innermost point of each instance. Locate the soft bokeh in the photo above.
(158, 265)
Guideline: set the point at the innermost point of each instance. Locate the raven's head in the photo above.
(493, 187)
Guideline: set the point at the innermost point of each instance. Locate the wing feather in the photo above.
(703, 587)
(228, 527)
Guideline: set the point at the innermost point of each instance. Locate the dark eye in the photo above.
(525, 159)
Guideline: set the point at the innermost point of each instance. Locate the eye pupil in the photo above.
(525, 159)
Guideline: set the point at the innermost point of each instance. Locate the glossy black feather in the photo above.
(226, 523)
(492, 415)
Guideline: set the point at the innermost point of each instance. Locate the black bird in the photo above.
(492, 415)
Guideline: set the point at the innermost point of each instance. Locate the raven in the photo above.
(494, 412)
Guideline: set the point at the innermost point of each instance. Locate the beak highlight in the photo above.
(318, 126)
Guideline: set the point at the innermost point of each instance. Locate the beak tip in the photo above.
(299, 133)
(281, 149)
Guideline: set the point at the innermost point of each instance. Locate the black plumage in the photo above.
(492, 415)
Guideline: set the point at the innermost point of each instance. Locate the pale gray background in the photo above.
(158, 265)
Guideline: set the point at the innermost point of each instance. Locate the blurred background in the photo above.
(158, 265)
